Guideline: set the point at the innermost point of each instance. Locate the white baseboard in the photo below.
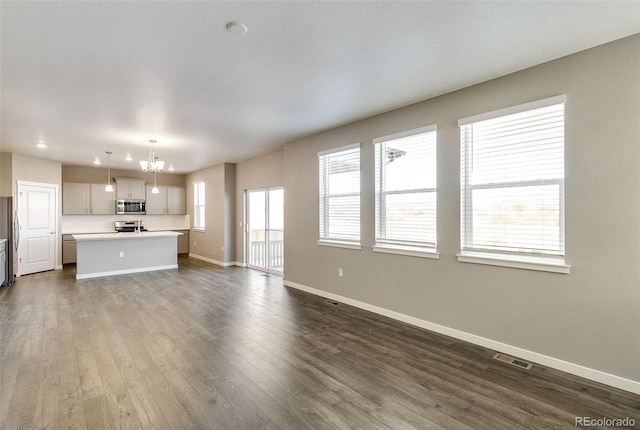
(239, 264)
(211, 260)
(555, 363)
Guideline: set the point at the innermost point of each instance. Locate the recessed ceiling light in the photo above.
(41, 145)
(128, 158)
(235, 27)
(171, 169)
(96, 161)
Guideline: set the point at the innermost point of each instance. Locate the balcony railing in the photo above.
(258, 255)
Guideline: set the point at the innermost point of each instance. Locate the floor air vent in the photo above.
(513, 361)
(332, 302)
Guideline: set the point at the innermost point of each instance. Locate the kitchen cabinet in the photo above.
(68, 249)
(86, 199)
(102, 202)
(183, 242)
(76, 198)
(142, 252)
(129, 189)
(168, 201)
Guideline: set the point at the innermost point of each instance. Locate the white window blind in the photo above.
(198, 205)
(512, 181)
(340, 194)
(406, 178)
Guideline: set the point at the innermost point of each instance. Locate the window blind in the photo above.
(405, 181)
(512, 181)
(339, 182)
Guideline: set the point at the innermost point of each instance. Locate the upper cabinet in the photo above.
(168, 201)
(129, 189)
(91, 199)
(86, 199)
(156, 203)
(76, 198)
(102, 202)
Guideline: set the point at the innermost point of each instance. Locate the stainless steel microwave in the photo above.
(134, 207)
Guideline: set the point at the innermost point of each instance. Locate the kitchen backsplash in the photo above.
(104, 223)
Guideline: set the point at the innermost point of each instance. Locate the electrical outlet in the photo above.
(195, 243)
(121, 254)
(340, 272)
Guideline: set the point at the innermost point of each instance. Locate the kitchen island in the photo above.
(120, 253)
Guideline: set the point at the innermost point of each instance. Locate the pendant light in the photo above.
(155, 189)
(109, 187)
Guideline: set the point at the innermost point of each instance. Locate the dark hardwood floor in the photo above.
(203, 347)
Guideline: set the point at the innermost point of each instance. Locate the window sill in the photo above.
(338, 244)
(540, 264)
(199, 230)
(407, 250)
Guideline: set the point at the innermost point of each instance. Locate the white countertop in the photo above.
(95, 231)
(125, 236)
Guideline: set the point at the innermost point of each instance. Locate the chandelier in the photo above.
(152, 164)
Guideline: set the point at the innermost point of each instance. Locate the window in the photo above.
(405, 175)
(198, 205)
(340, 197)
(512, 186)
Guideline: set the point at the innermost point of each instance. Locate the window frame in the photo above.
(391, 246)
(483, 255)
(323, 200)
(197, 205)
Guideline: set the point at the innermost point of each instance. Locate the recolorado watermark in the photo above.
(603, 422)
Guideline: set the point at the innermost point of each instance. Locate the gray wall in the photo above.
(5, 174)
(588, 317)
(214, 242)
(229, 212)
(259, 172)
(99, 174)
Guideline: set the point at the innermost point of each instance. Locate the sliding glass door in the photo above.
(265, 229)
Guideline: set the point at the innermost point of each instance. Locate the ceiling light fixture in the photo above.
(97, 161)
(234, 27)
(128, 158)
(152, 164)
(41, 145)
(109, 187)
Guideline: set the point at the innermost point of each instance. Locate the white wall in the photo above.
(590, 317)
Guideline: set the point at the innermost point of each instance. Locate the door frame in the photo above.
(56, 220)
(247, 231)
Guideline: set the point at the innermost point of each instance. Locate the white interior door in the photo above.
(265, 229)
(37, 230)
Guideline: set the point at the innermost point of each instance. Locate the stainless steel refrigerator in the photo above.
(7, 231)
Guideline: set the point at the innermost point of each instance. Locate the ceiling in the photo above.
(89, 77)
